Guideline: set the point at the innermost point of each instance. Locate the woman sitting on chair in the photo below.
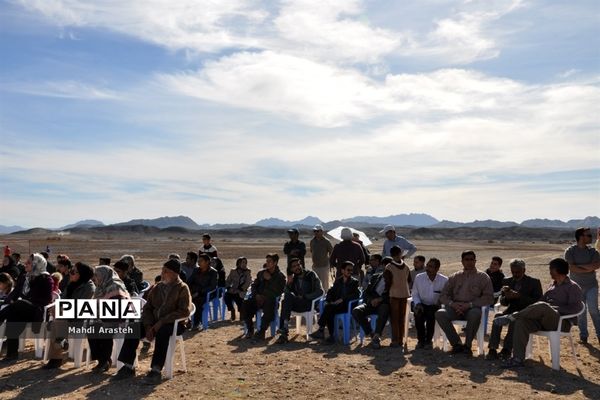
(108, 286)
(80, 287)
(27, 304)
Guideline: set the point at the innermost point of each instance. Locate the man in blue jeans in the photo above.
(583, 261)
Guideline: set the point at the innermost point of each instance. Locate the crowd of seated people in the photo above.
(385, 293)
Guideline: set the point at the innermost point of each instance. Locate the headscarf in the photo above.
(109, 283)
(129, 259)
(86, 273)
(38, 267)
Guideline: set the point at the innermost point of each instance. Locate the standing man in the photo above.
(347, 250)
(517, 293)
(294, 248)
(408, 249)
(208, 247)
(463, 296)
(583, 261)
(320, 249)
(426, 292)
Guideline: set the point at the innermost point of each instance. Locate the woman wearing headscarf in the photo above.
(108, 286)
(80, 287)
(27, 303)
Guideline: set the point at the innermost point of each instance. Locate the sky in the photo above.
(241, 110)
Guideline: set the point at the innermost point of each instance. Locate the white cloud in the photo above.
(318, 94)
(336, 32)
(62, 89)
(332, 30)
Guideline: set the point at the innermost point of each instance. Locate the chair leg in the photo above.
(182, 349)
(554, 341)
(170, 357)
(529, 348)
(309, 325)
(573, 350)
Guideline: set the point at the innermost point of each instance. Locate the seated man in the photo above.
(202, 281)
(463, 296)
(517, 293)
(376, 300)
(426, 298)
(375, 267)
(302, 288)
(170, 300)
(344, 290)
(267, 286)
(563, 297)
(496, 275)
(121, 268)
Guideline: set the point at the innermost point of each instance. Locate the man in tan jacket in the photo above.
(463, 296)
(169, 300)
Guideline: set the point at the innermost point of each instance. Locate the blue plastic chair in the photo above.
(347, 321)
(206, 315)
(274, 323)
(222, 306)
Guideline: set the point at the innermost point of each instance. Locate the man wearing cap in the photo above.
(294, 248)
(169, 300)
(392, 240)
(320, 249)
(347, 250)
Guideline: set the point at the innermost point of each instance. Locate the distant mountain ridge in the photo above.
(399, 220)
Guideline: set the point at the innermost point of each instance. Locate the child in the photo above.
(397, 280)
(6, 285)
(56, 278)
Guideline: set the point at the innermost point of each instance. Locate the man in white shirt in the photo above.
(426, 292)
(408, 249)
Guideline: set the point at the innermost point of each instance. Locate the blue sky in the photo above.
(244, 110)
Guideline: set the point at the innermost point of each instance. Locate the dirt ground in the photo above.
(222, 365)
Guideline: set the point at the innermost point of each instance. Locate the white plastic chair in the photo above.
(39, 340)
(310, 317)
(480, 336)
(554, 340)
(175, 338)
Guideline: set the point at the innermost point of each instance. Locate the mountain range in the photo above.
(404, 220)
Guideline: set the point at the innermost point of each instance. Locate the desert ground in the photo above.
(222, 365)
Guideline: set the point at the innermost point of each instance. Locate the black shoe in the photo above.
(459, 348)
(53, 363)
(320, 334)
(420, 345)
(153, 378)
(491, 355)
(468, 352)
(330, 340)
(124, 373)
(512, 363)
(233, 315)
(505, 354)
(428, 346)
(259, 335)
(282, 339)
(248, 335)
(583, 340)
(102, 366)
(145, 347)
(10, 358)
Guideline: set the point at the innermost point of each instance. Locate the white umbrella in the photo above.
(337, 235)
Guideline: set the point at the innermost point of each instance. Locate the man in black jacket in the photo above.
(517, 293)
(203, 280)
(301, 289)
(344, 290)
(375, 301)
(267, 286)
